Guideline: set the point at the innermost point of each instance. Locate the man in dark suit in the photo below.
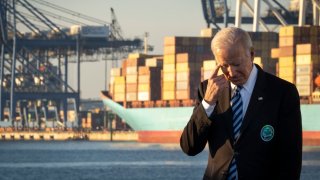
(250, 118)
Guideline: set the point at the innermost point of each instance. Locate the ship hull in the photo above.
(165, 124)
(159, 136)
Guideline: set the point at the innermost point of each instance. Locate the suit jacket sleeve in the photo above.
(194, 136)
(290, 136)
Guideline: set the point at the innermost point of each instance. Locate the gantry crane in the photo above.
(34, 66)
(217, 11)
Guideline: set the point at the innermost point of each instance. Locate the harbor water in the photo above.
(51, 160)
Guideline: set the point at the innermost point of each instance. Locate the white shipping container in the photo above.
(207, 74)
(306, 59)
(209, 65)
(183, 76)
(75, 29)
(131, 96)
(143, 96)
(115, 72)
(111, 80)
(182, 85)
(304, 90)
(303, 80)
(303, 69)
(132, 70)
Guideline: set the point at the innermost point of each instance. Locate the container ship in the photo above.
(155, 94)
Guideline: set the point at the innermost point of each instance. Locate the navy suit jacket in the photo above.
(270, 142)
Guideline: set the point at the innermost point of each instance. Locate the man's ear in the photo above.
(252, 53)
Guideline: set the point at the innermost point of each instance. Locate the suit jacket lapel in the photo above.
(256, 101)
(224, 106)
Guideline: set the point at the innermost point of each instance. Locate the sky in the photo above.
(160, 18)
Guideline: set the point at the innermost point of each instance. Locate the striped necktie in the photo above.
(236, 105)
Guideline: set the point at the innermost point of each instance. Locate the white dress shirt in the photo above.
(245, 92)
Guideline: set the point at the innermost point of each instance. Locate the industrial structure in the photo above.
(34, 65)
(299, 12)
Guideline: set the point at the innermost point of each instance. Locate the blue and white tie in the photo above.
(236, 105)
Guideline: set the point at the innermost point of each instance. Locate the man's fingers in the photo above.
(218, 81)
(215, 72)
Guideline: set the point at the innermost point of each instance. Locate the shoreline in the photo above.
(68, 135)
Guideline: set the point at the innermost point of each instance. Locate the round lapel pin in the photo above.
(267, 133)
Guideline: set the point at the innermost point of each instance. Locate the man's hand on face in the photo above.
(215, 86)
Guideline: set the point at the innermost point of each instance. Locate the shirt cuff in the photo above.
(208, 108)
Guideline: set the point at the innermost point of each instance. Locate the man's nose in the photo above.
(231, 71)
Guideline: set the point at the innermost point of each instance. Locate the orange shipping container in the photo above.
(185, 57)
(289, 31)
(275, 53)
(131, 96)
(186, 94)
(131, 87)
(154, 62)
(136, 62)
(287, 51)
(307, 49)
(124, 67)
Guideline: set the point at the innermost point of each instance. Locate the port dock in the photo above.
(68, 135)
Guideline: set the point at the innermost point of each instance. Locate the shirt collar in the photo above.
(249, 85)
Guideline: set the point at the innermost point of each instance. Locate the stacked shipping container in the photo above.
(187, 76)
(262, 43)
(149, 83)
(207, 69)
(132, 78)
(289, 37)
(117, 85)
(183, 57)
(307, 67)
(168, 72)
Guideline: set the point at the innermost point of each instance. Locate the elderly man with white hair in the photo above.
(250, 119)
